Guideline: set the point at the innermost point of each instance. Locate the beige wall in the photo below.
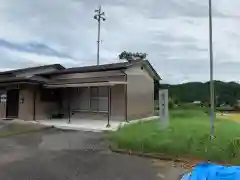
(42, 109)
(118, 103)
(25, 111)
(3, 106)
(140, 93)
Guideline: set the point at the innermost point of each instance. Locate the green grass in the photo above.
(187, 136)
(15, 129)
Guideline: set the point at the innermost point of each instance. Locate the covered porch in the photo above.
(89, 104)
(89, 124)
(82, 124)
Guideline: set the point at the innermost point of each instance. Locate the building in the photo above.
(196, 102)
(119, 91)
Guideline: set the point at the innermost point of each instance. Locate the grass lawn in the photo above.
(14, 128)
(230, 116)
(187, 136)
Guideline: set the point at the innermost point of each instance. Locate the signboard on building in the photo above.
(163, 108)
(3, 98)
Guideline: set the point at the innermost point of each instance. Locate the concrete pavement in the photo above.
(69, 155)
(88, 124)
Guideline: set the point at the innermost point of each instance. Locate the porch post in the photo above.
(69, 106)
(34, 103)
(109, 106)
(89, 93)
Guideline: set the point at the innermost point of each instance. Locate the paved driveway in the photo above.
(68, 155)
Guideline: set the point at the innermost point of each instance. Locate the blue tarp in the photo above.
(206, 171)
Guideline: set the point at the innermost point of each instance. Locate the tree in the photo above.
(226, 93)
(130, 56)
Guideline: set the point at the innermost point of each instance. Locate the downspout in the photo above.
(126, 96)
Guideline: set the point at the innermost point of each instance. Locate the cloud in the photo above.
(173, 33)
(35, 48)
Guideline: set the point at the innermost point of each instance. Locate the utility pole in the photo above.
(212, 98)
(100, 15)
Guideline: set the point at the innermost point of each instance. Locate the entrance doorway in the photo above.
(12, 103)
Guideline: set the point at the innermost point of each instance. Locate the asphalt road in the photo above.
(68, 155)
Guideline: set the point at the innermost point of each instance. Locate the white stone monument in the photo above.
(163, 108)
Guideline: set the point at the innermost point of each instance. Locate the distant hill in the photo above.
(196, 91)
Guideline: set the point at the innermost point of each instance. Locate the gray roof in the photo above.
(33, 79)
(57, 66)
(94, 68)
(105, 67)
(61, 70)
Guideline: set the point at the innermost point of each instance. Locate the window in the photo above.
(99, 99)
(82, 99)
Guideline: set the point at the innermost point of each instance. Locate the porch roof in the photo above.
(21, 80)
(90, 84)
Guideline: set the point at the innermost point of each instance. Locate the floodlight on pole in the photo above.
(99, 16)
(212, 98)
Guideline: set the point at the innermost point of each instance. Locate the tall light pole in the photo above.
(99, 16)
(212, 99)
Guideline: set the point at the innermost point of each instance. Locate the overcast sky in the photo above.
(174, 34)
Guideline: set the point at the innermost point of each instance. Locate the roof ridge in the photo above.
(32, 68)
(100, 65)
(92, 68)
